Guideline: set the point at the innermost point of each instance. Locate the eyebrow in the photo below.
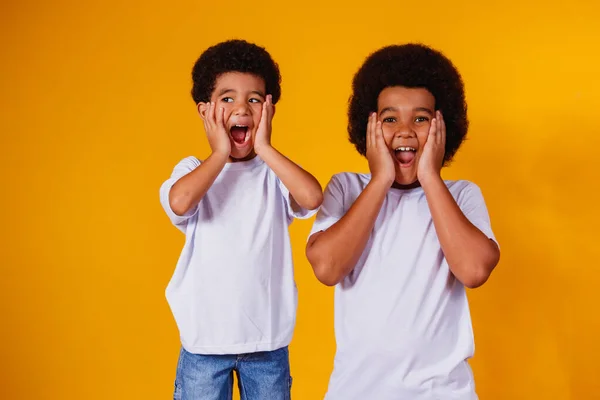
(224, 91)
(425, 109)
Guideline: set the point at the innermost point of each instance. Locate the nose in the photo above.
(404, 130)
(240, 108)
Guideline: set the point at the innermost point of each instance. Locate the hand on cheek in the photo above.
(432, 158)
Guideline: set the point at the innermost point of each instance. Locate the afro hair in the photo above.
(411, 66)
(234, 56)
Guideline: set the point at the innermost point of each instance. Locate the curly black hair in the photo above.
(234, 56)
(413, 66)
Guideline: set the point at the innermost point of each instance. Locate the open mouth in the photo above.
(239, 133)
(405, 155)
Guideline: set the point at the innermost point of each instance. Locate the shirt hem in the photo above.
(244, 348)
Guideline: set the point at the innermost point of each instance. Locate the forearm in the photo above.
(304, 188)
(470, 254)
(187, 192)
(333, 254)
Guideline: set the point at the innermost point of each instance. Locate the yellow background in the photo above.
(95, 112)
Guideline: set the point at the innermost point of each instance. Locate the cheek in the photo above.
(227, 108)
(227, 111)
(256, 112)
(422, 135)
(388, 133)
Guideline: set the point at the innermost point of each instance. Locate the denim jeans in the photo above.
(261, 376)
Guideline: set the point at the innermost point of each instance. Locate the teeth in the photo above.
(405, 149)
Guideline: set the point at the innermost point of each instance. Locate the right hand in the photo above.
(379, 156)
(216, 132)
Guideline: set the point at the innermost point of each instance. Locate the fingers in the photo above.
(441, 129)
(432, 130)
(208, 118)
(211, 114)
(270, 113)
(221, 118)
(379, 140)
(269, 108)
(370, 131)
(205, 117)
(375, 137)
(263, 117)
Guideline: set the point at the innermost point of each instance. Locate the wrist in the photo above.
(430, 179)
(220, 156)
(262, 148)
(380, 184)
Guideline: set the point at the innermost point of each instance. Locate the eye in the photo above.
(227, 100)
(389, 119)
(254, 100)
(421, 119)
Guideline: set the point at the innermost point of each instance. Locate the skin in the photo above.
(241, 99)
(406, 117)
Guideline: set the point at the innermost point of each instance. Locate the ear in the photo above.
(202, 108)
(274, 108)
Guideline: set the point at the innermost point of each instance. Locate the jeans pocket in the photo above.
(177, 391)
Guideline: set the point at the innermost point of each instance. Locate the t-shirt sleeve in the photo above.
(183, 168)
(472, 204)
(332, 209)
(293, 209)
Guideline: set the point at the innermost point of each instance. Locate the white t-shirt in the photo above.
(233, 288)
(402, 322)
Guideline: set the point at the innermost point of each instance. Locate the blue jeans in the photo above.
(261, 376)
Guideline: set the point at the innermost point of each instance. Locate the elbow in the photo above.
(314, 201)
(479, 272)
(324, 274)
(179, 205)
(323, 267)
(475, 279)
(317, 200)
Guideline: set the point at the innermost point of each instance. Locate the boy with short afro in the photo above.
(400, 243)
(232, 293)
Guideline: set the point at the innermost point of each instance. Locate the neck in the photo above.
(413, 185)
(247, 158)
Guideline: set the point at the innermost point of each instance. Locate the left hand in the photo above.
(262, 134)
(432, 159)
